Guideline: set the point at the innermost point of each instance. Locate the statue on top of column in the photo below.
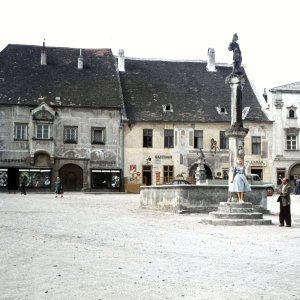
(237, 54)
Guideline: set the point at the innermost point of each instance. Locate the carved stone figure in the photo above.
(237, 54)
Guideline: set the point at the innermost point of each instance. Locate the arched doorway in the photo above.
(294, 173)
(72, 177)
(193, 171)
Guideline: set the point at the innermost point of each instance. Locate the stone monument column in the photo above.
(236, 133)
(236, 213)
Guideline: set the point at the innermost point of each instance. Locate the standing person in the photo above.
(23, 184)
(58, 187)
(239, 180)
(297, 188)
(285, 203)
(279, 181)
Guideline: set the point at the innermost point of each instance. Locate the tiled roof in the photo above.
(288, 88)
(23, 80)
(194, 93)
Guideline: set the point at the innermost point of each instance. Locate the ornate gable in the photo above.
(43, 113)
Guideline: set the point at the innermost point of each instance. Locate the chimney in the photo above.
(43, 55)
(80, 61)
(211, 64)
(121, 61)
(265, 95)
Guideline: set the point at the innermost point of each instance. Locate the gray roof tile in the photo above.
(193, 92)
(24, 81)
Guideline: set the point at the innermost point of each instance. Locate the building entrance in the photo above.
(72, 177)
(147, 175)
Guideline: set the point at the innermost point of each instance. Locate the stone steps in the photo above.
(235, 213)
(239, 222)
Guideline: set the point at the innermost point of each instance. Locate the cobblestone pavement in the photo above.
(103, 246)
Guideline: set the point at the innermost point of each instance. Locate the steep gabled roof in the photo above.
(194, 93)
(287, 88)
(23, 80)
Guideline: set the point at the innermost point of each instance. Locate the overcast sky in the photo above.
(170, 29)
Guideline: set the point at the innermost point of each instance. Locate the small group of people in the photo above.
(240, 185)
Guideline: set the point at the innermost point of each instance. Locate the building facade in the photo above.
(176, 108)
(61, 113)
(285, 110)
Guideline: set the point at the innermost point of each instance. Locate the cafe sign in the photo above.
(257, 163)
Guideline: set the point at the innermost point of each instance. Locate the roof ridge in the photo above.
(175, 60)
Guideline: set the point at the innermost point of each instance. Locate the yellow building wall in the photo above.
(183, 155)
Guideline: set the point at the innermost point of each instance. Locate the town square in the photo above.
(104, 246)
(149, 150)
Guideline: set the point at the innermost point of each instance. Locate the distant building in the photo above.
(174, 108)
(61, 113)
(285, 109)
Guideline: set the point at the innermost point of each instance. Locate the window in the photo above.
(291, 142)
(147, 138)
(168, 173)
(98, 136)
(198, 139)
(106, 179)
(70, 135)
(224, 141)
(256, 145)
(21, 131)
(43, 131)
(291, 113)
(168, 108)
(169, 136)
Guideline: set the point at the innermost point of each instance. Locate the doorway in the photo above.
(147, 175)
(72, 177)
(12, 179)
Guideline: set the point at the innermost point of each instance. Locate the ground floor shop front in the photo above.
(73, 176)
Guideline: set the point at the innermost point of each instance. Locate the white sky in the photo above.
(173, 29)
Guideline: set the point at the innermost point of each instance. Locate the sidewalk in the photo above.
(103, 246)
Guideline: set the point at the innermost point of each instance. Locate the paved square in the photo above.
(103, 246)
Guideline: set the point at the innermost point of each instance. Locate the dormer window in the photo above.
(291, 112)
(168, 108)
(221, 110)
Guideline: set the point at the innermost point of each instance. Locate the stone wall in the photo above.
(193, 198)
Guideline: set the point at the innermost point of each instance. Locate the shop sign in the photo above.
(107, 163)
(132, 168)
(259, 163)
(163, 156)
(12, 160)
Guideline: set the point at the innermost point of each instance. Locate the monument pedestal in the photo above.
(235, 213)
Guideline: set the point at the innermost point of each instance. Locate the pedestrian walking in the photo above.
(23, 184)
(284, 200)
(58, 187)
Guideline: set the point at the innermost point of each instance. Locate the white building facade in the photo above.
(285, 111)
